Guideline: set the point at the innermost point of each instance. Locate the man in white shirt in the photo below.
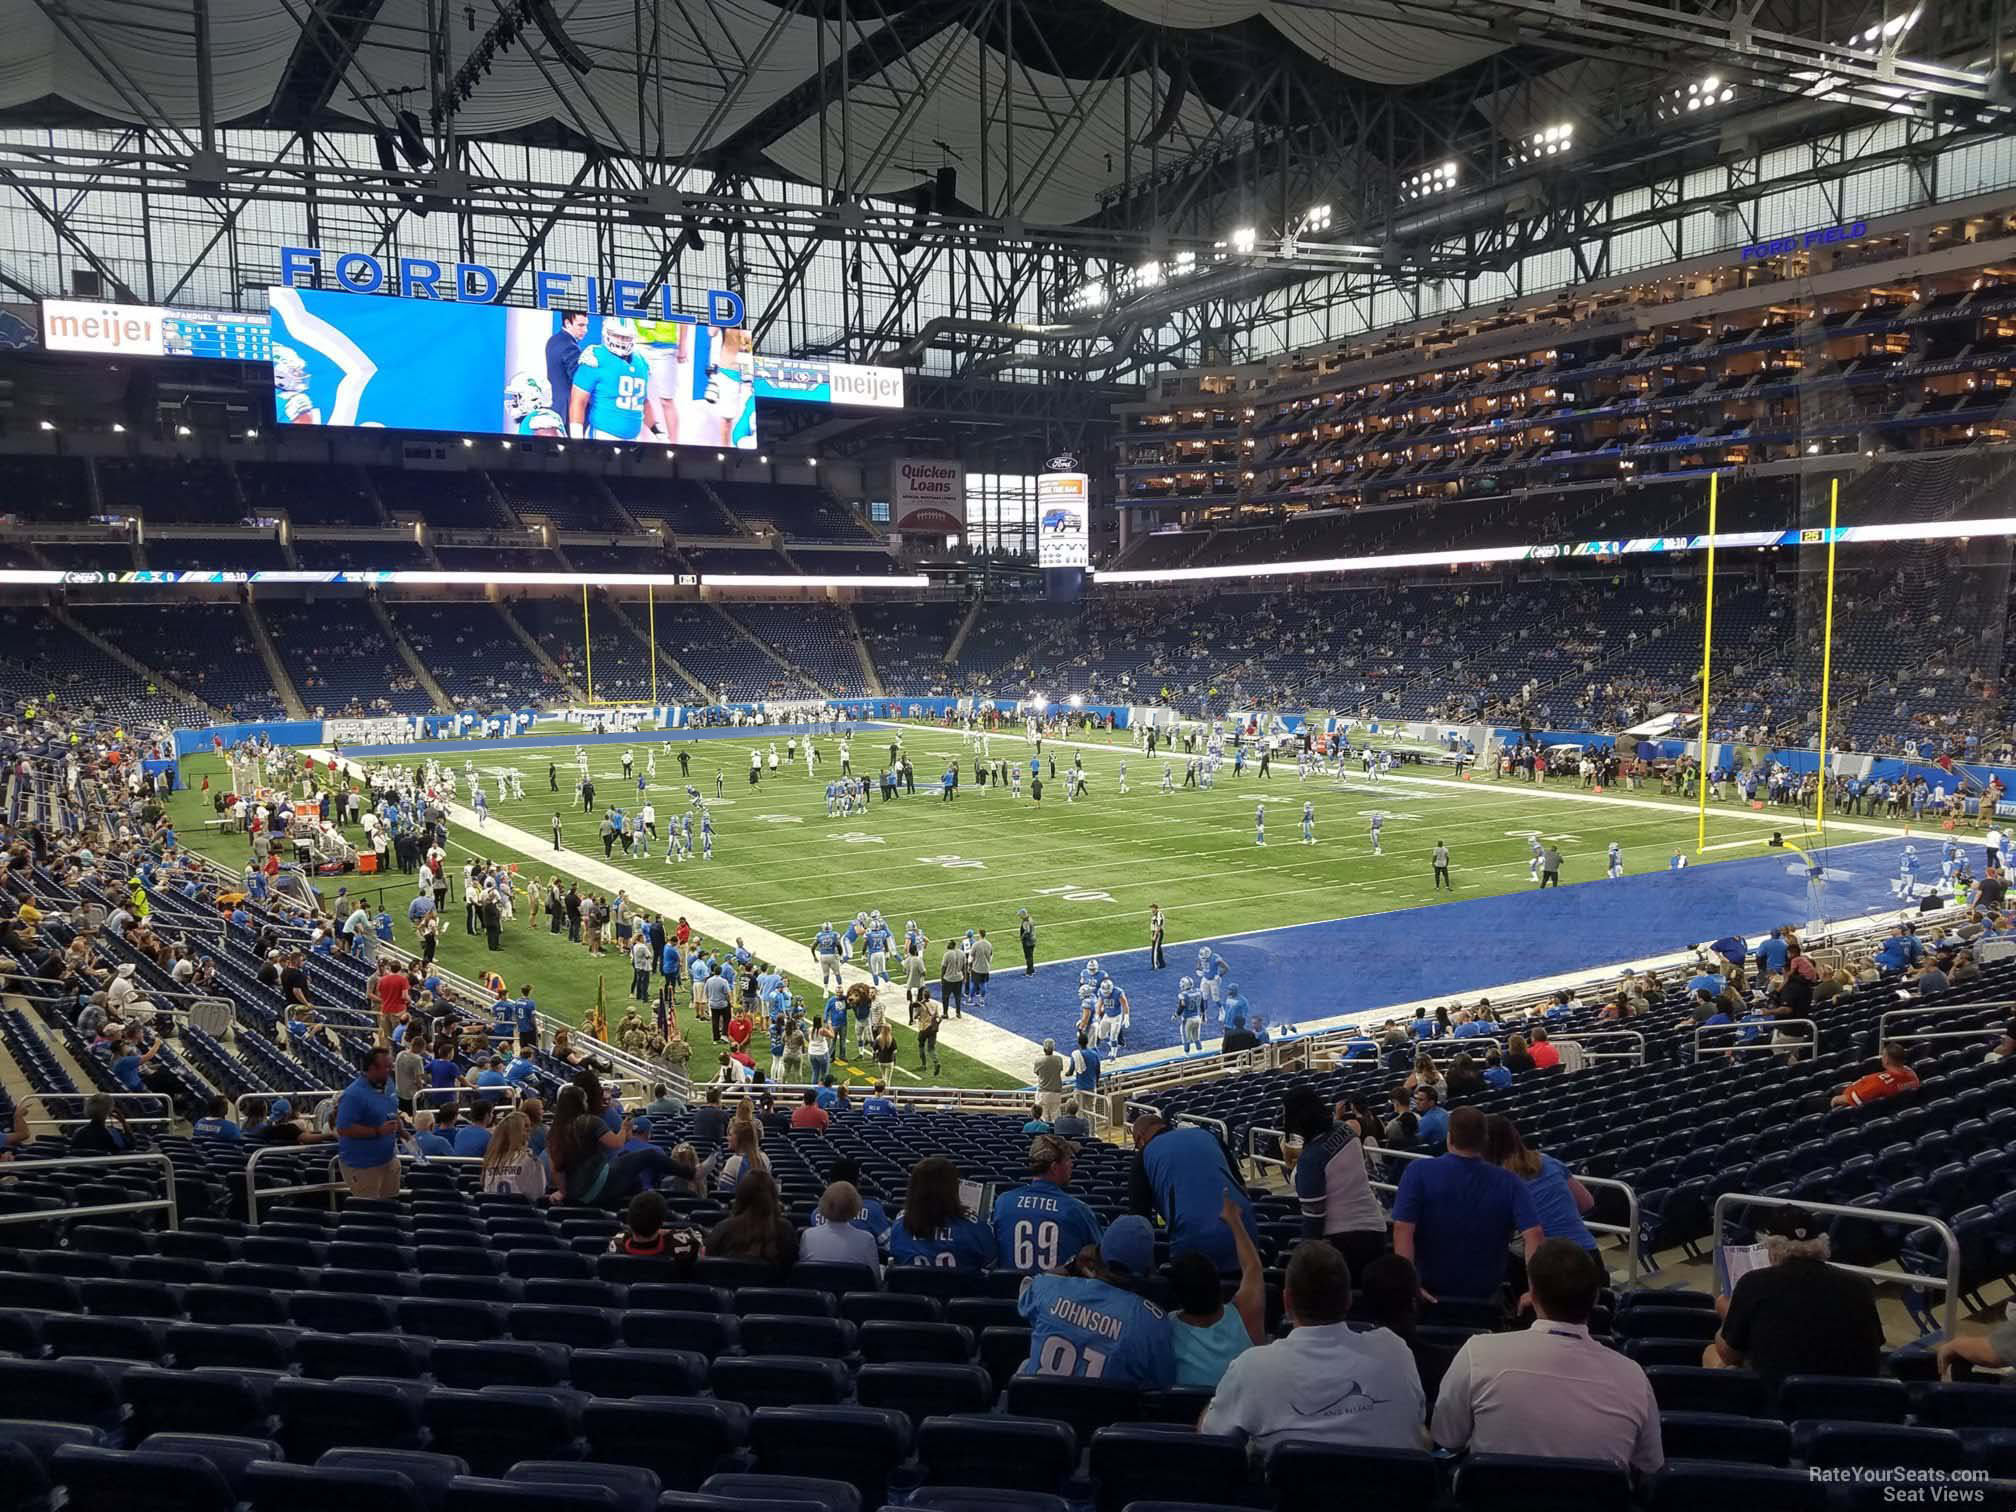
(1325, 1381)
(1551, 1390)
(1995, 843)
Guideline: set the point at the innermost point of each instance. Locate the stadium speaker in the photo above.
(542, 15)
(86, 284)
(388, 159)
(945, 191)
(922, 199)
(411, 142)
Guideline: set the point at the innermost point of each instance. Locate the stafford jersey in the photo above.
(1093, 1331)
(1041, 1226)
(615, 388)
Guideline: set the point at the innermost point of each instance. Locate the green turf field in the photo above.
(1087, 872)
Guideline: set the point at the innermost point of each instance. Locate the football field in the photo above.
(1088, 872)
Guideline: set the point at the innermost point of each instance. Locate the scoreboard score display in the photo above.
(116, 330)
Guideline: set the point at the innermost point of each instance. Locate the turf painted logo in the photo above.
(1071, 892)
(857, 837)
(779, 819)
(953, 863)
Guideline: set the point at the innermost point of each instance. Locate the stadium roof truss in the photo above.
(1077, 192)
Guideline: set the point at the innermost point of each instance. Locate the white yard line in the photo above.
(1008, 1053)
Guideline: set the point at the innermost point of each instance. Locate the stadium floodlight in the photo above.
(1695, 96)
(811, 461)
(466, 442)
(1548, 141)
(1148, 274)
(1077, 700)
(1041, 701)
(118, 429)
(50, 425)
(720, 456)
(1244, 239)
(1431, 180)
(180, 430)
(253, 434)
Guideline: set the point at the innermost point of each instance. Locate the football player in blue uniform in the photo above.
(528, 407)
(1190, 1014)
(1616, 864)
(609, 385)
(826, 951)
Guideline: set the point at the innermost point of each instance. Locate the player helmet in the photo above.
(619, 336)
(526, 394)
(1092, 966)
(827, 926)
(290, 373)
(1910, 850)
(1185, 985)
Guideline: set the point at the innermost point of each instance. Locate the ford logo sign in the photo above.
(1062, 462)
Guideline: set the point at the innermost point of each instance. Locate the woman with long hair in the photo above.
(509, 1163)
(755, 1228)
(590, 1164)
(1558, 1197)
(933, 1228)
(1518, 1056)
(1331, 1179)
(1424, 1074)
(740, 1155)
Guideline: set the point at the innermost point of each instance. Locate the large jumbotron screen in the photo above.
(410, 364)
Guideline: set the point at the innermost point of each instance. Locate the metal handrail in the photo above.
(1637, 1055)
(333, 1185)
(293, 1095)
(1766, 1027)
(51, 1121)
(1627, 1230)
(165, 1203)
(1949, 1284)
(1883, 1021)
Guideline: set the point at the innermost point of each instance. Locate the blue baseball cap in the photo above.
(1129, 1245)
(281, 1107)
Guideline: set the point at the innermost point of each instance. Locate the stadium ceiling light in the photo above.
(765, 460)
(1549, 141)
(720, 456)
(1244, 239)
(50, 425)
(560, 446)
(811, 461)
(505, 444)
(1077, 700)
(1148, 274)
(180, 430)
(1699, 95)
(467, 442)
(253, 434)
(118, 429)
(1431, 180)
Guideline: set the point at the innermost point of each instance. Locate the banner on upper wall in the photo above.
(928, 496)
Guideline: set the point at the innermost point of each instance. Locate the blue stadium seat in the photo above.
(341, 1312)
(677, 1296)
(1087, 1406)
(102, 1338)
(20, 1332)
(469, 1493)
(556, 1265)
(791, 1301)
(1529, 1483)
(245, 1347)
(934, 1281)
(1863, 1400)
(24, 1480)
(828, 1276)
(778, 1380)
(1838, 1445)
(983, 1499)
(469, 1288)
(232, 1457)
(1706, 1486)
(174, 1401)
(492, 1428)
(833, 1495)
(328, 1356)
(1697, 1388)
(1964, 1404)
(637, 1372)
(786, 1333)
(1667, 1323)
(736, 1275)
(1004, 1351)
(451, 1318)
(890, 1307)
(1178, 1404)
(573, 1327)
(554, 1292)
(1305, 1476)
(860, 1445)
(1018, 1454)
(635, 1488)
(156, 1481)
(920, 1391)
(499, 1362)
(42, 1439)
(1725, 1436)
(320, 1415)
(327, 1488)
(707, 1334)
(886, 1343)
(429, 1473)
(1133, 1460)
(980, 1313)
(60, 1391)
(234, 1304)
(681, 1440)
(130, 1299)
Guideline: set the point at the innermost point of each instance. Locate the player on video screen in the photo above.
(731, 389)
(290, 388)
(609, 386)
(528, 407)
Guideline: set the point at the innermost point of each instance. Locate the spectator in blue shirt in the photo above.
(130, 1062)
(933, 1228)
(427, 1138)
(1495, 1074)
(1433, 1117)
(1041, 1226)
(1183, 1174)
(1774, 953)
(367, 1130)
(1454, 1215)
(473, 1137)
(1732, 948)
(874, 1217)
(216, 1123)
(521, 1069)
(829, 1095)
(492, 1074)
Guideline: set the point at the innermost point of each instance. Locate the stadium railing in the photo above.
(165, 1203)
(1992, 1031)
(333, 1187)
(1949, 1284)
(299, 1097)
(1627, 1231)
(1767, 1030)
(49, 1120)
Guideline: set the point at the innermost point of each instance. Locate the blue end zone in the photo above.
(556, 739)
(1344, 966)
